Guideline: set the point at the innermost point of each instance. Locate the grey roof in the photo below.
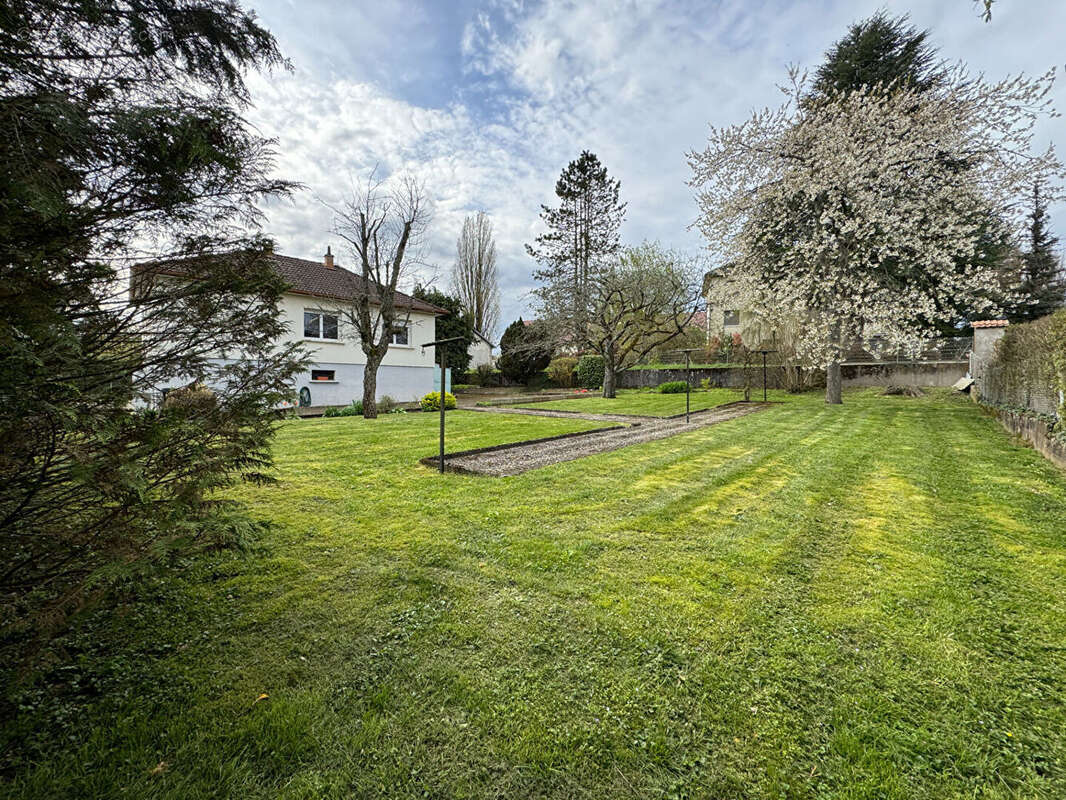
(315, 279)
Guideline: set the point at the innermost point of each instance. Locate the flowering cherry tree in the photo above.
(862, 214)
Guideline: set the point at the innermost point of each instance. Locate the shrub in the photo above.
(484, 374)
(386, 404)
(191, 399)
(354, 409)
(1028, 367)
(588, 374)
(561, 370)
(673, 387)
(431, 402)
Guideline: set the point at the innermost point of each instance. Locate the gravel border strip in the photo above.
(518, 457)
(434, 461)
(633, 419)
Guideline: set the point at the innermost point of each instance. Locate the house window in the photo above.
(322, 375)
(318, 325)
(732, 318)
(399, 334)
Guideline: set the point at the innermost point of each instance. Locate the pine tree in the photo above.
(583, 232)
(883, 51)
(1043, 288)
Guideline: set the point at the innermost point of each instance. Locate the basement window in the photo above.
(322, 375)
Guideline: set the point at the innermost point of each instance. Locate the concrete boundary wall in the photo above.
(926, 374)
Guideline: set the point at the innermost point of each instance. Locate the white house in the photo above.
(480, 351)
(318, 291)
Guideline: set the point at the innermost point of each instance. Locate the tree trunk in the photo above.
(370, 387)
(832, 384)
(608, 381)
(832, 371)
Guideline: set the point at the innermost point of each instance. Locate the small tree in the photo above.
(646, 299)
(383, 226)
(474, 276)
(525, 350)
(455, 323)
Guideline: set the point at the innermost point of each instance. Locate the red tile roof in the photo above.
(991, 323)
(315, 279)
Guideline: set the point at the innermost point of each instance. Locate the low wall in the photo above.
(720, 377)
(1035, 431)
(930, 374)
(936, 373)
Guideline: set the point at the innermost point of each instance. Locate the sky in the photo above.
(486, 102)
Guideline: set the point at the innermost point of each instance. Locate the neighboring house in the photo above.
(318, 291)
(725, 314)
(480, 351)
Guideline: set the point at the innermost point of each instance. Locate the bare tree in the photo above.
(641, 302)
(474, 278)
(384, 227)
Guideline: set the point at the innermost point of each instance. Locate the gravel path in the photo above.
(524, 457)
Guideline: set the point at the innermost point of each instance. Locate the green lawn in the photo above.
(866, 601)
(653, 404)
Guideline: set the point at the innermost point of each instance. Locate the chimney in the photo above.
(327, 259)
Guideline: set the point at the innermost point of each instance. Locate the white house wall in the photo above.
(347, 349)
(406, 374)
(480, 353)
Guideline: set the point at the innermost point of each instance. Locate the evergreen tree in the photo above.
(456, 323)
(524, 350)
(883, 51)
(583, 232)
(1043, 286)
(123, 131)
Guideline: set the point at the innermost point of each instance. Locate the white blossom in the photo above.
(862, 214)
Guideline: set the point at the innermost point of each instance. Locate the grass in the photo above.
(863, 601)
(650, 403)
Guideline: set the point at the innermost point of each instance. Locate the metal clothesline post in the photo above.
(764, 352)
(443, 376)
(688, 377)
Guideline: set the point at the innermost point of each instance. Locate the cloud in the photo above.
(487, 102)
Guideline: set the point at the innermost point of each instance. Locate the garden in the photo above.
(853, 601)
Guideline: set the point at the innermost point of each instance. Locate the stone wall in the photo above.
(1036, 431)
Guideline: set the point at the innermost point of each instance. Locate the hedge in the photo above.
(1029, 362)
